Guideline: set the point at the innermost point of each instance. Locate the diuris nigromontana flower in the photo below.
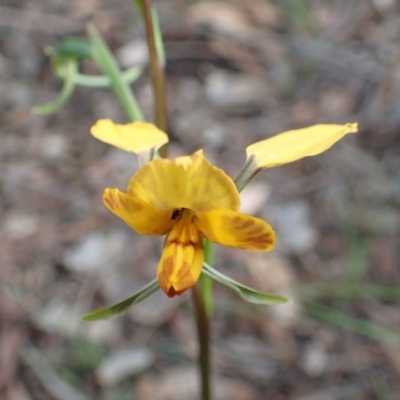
(187, 199)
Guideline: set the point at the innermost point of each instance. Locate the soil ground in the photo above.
(237, 72)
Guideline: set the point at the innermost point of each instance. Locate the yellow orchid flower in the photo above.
(141, 138)
(187, 199)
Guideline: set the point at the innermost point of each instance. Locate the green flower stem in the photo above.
(205, 281)
(107, 64)
(248, 172)
(203, 330)
(157, 62)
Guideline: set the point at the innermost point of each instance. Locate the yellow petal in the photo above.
(136, 137)
(185, 182)
(139, 215)
(294, 145)
(235, 229)
(182, 258)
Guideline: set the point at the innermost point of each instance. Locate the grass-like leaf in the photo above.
(371, 329)
(124, 305)
(245, 292)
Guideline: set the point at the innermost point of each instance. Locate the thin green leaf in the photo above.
(245, 292)
(66, 91)
(124, 305)
(106, 62)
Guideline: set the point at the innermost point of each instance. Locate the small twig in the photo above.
(156, 69)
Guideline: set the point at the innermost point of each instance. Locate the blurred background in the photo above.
(237, 72)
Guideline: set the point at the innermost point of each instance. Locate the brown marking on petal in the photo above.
(110, 201)
(183, 275)
(257, 229)
(262, 242)
(246, 224)
(163, 277)
(186, 243)
(172, 292)
(235, 220)
(168, 266)
(240, 223)
(184, 272)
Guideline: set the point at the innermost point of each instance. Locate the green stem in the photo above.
(206, 282)
(107, 64)
(248, 172)
(203, 330)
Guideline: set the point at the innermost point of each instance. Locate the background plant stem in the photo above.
(203, 330)
(157, 65)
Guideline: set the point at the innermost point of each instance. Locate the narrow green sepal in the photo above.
(245, 292)
(124, 305)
